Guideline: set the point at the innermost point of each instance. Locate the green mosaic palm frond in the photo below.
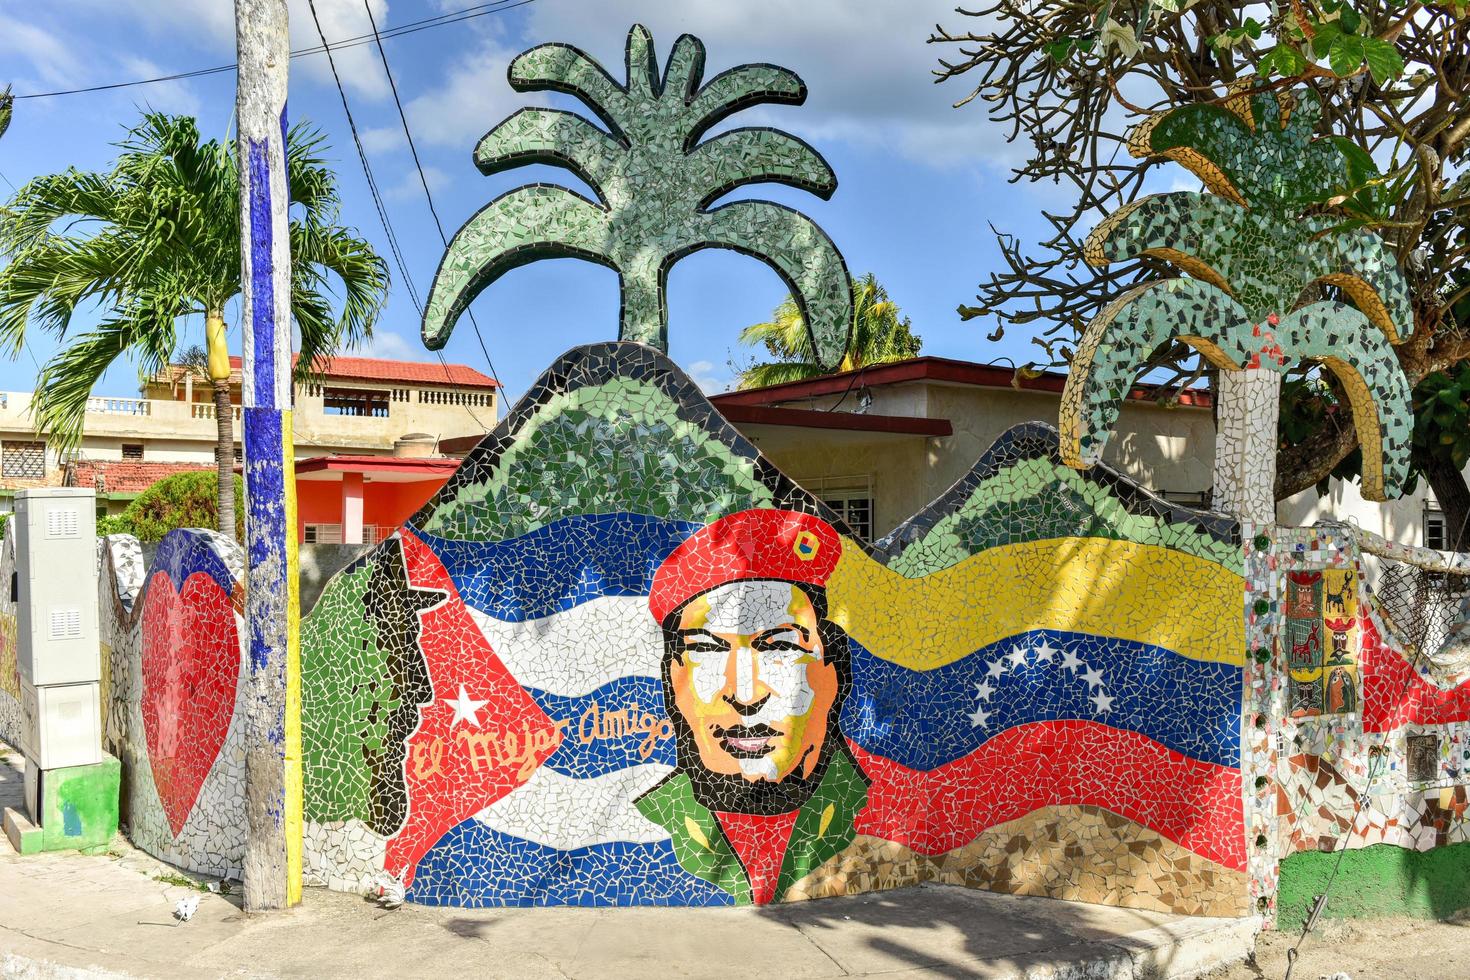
(1208, 319)
(1259, 151)
(654, 182)
(1257, 248)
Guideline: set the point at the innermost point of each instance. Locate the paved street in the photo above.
(112, 915)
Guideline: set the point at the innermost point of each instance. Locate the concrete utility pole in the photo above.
(273, 730)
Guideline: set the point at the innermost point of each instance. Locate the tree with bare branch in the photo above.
(1071, 77)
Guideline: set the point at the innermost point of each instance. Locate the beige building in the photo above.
(361, 406)
(880, 443)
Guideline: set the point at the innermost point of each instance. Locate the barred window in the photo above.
(132, 452)
(23, 460)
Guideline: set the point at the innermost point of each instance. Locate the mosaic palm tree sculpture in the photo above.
(654, 183)
(1252, 251)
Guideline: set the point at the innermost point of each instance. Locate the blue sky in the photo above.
(920, 182)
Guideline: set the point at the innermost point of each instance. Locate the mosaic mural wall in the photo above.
(172, 662)
(10, 711)
(620, 659)
(1373, 751)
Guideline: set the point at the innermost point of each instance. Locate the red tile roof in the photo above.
(410, 372)
(124, 476)
(380, 369)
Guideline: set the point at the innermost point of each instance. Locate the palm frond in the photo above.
(1355, 350)
(570, 71)
(143, 328)
(776, 373)
(737, 89)
(529, 223)
(7, 104)
(784, 336)
(685, 68)
(362, 277)
(802, 254)
(747, 156)
(1119, 341)
(553, 137)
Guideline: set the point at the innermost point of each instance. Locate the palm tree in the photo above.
(7, 103)
(155, 239)
(654, 182)
(1254, 250)
(878, 336)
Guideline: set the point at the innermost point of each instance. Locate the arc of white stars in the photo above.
(1102, 702)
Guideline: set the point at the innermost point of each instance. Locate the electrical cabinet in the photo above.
(55, 586)
(61, 725)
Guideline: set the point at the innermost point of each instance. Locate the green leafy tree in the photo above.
(7, 104)
(654, 182)
(878, 335)
(156, 239)
(181, 500)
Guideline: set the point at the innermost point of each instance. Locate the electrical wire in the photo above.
(377, 196)
(423, 179)
(413, 27)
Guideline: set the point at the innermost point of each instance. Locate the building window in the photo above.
(851, 497)
(132, 452)
(23, 460)
(355, 401)
(1434, 536)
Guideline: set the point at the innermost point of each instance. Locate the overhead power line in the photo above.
(423, 179)
(413, 27)
(377, 196)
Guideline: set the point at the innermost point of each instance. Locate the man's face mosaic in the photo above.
(751, 680)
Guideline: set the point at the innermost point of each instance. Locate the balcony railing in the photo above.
(205, 410)
(119, 406)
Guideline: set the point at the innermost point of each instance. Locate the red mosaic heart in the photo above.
(191, 666)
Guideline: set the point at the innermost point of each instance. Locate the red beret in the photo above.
(753, 544)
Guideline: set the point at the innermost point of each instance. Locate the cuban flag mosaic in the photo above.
(620, 659)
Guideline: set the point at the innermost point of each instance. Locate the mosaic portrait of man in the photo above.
(754, 676)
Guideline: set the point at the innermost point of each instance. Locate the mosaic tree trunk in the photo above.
(1245, 447)
(272, 866)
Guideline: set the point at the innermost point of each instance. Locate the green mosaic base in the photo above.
(1381, 880)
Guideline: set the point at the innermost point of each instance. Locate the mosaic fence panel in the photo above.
(172, 701)
(11, 718)
(620, 659)
(1374, 751)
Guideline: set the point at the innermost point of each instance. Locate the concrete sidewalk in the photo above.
(69, 915)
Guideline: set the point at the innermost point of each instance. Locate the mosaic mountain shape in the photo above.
(489, 710)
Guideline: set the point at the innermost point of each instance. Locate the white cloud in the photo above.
(867, 65)
(409, 187)
(383, 139)
(212, 24)
(709, 377)
(173, 97)
(49, 57)
(392, 347)
(473, 96)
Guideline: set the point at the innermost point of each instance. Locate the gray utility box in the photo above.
(55, 586)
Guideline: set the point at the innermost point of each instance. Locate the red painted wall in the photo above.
(384, 504)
